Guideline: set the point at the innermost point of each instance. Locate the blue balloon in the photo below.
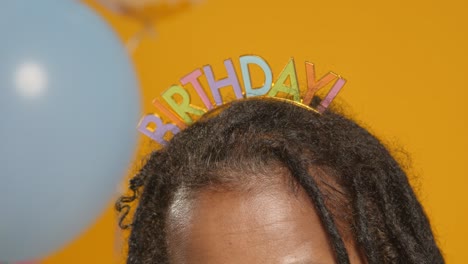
(69, 105)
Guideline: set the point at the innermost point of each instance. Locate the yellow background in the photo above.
(406, 65)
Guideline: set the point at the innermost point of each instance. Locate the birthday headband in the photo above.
(178, 108)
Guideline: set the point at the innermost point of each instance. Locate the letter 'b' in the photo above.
(158, 133)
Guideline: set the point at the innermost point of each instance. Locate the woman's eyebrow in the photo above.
(303, 262)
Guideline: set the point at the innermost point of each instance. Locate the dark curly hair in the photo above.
(365, 194)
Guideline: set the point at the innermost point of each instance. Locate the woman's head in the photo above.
(266, 181)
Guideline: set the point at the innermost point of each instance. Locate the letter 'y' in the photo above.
(313, 86)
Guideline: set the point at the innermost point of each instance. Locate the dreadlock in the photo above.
(365, 195)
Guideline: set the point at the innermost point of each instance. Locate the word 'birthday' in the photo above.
(180, 110)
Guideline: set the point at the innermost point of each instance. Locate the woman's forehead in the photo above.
(273, 225)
